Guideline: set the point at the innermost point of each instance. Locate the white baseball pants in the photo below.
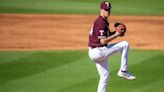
(100, 56)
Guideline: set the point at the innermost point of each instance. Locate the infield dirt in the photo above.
(55, 31)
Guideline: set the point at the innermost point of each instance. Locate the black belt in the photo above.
(93, 47)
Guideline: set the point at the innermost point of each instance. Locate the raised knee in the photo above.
(125, 43)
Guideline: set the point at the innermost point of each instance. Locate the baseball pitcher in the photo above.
(100, 47)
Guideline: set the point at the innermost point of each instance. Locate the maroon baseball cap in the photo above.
(105, 5)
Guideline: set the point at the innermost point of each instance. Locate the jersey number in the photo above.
(91, 31)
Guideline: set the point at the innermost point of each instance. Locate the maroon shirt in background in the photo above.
(100, 30)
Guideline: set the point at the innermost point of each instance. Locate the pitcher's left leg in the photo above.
(123, 72)
(124, 56)
(122, 47)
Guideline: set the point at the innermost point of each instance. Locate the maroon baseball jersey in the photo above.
(100, 30)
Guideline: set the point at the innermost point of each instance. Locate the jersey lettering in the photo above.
(101, 32)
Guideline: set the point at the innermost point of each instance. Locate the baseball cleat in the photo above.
(126, 75)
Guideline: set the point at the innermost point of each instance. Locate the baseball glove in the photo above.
(121, 28)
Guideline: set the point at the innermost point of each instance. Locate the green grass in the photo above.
(72, 71)
(119, 7)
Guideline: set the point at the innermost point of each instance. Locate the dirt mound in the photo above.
(44, 32)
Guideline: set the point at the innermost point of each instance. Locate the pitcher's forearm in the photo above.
(109, 39)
